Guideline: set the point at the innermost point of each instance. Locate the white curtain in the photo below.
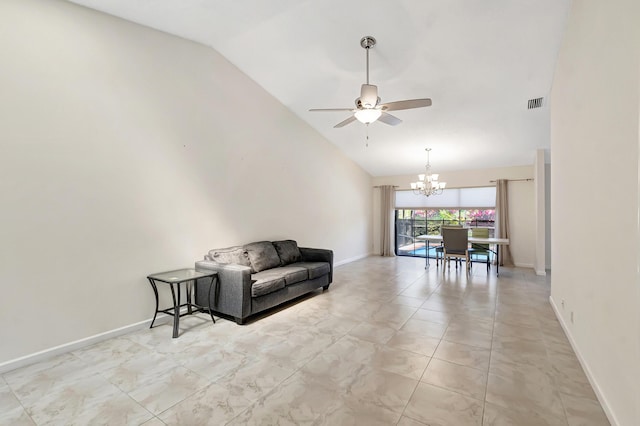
(502, 221)
(387, 206)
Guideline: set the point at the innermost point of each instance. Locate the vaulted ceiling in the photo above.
(479, 61)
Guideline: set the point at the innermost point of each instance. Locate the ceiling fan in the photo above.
(368, 107)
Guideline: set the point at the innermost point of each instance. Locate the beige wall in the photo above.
(595, 109)
(126, 151)
(521, 203)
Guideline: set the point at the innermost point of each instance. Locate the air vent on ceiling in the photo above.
(534, 103)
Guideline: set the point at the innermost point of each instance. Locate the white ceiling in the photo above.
(478, 60)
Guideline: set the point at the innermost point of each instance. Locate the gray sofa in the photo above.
(261, 275)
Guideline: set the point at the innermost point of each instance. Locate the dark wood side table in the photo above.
(174, 279)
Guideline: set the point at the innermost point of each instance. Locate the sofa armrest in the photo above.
(318, 255)
(233, 293)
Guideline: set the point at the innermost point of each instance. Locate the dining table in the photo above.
(497, 242)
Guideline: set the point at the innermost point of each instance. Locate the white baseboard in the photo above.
(78, 344)
(594, 384)
(523, 265)
(351, 259)
(541, 273)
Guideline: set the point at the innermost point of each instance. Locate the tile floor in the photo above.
(390, 343)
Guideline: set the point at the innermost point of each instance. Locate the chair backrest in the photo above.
(480, 233)
(455, 239)
(449, 226)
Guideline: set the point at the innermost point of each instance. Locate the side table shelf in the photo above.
(174, 279)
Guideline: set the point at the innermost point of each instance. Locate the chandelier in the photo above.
(427, 183)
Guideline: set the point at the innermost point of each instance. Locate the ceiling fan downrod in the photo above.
(367, 42)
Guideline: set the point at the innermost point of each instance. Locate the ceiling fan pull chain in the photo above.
(366, 126)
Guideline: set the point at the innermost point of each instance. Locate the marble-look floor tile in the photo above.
(464, 380)
(352, 348)
(495, 415)
(87, 401)
(433, 316)
(15, 417)
(414, 342)
(514, 366)
(398, 361)
(414, 302)
(535, 394)
(583, 411)
(111, 353)
(8, 400)
(440, 407)
(570, 378)
(392, 315)
(391, 343)
(35, 381)
(355, 414)
(294, 402)
(375, 333)
(219, 362)
(137, 371)
(379, 389)
(333, 371)
(297, 350)
(406, 421)
(154, 422)
(471, 323)
(168, 388)
(335, 325)
(213, 405)
(425, 328)
(480, 339)
(256, 379)
(470, 356)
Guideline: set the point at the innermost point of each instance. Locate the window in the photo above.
(469, 207)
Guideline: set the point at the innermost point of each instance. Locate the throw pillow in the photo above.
(262, 255)
(288, 251)
(237, 255)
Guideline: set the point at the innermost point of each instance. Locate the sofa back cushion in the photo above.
(236, 254)
(287, 251)
(262, 255)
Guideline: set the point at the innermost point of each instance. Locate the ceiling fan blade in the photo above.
(345, 122)
(331, 109)
(408, 104)
(369, 95)
(389, 119)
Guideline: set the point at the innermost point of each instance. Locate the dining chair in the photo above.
(440, 248)
(456, 246)
(480, 249)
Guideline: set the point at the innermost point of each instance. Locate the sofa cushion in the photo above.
(236, 254)
(288, 251)
(293, 274)
(267, 281)
(316, 269)
(262, 255)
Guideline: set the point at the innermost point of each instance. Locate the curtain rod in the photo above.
(514, 180)
(380, 186)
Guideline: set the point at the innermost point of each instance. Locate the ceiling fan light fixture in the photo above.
(367, 116)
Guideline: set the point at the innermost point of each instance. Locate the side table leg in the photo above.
(155, 292)
(176, 310)
(214, 278)
(188, 285)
